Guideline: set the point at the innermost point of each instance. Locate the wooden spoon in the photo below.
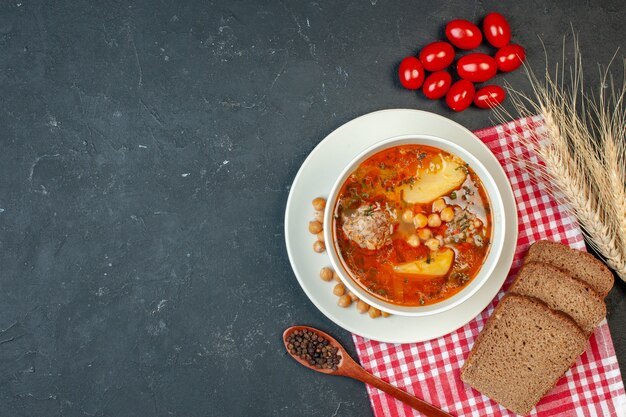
(349, 368)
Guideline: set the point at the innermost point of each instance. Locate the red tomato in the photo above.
(497, 30)
(463, 34)
(437, 56)
(460, 95)
(489, 96)
(411, 73)
(437, 84)
(476, 67)
(510, 57)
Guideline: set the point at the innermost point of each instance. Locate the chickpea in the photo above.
(319, 216)
(477, 223)
(424, 234)
(362, 306)
(320, 236)
(344, 301)
(374, 312)
(434, 220)
(420, 221)
(326, 274)
(413, 240)
(385, 314)
(447, 214)
(315, 227)
(319, 204)
(339, 290)
(353, 296)
(319, 247)
(407, 216)
(336, 276)
(433, 244)
(439, 204)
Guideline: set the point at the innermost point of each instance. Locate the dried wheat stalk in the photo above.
(582, 150)
(611, 114)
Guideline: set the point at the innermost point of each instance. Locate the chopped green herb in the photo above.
(463, 168)
(461, 277)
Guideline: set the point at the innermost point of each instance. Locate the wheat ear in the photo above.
(610, 111)
(582, 152)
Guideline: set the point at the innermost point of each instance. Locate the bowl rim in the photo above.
(486, 269)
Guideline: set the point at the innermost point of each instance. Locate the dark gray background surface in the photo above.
(146, 154)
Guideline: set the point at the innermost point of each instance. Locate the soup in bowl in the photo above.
(414, 225)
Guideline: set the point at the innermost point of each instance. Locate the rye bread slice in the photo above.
(521, 353)
(561, 292)
(581, 265)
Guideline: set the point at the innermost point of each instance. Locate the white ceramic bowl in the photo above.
(497, 229)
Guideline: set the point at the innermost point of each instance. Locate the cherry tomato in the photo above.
(463, 34)
(411, 73)
(510, 57)
(460, 95)
(437, 84)
(497, 30)
(437, 56)
(489, 96)
(476, 67)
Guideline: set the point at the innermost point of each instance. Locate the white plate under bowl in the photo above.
(316, 178)
(498, 221)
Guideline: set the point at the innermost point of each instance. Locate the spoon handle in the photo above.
(421, 406)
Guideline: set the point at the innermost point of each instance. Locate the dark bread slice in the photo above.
(521, 353)
(561, 292)
(581, 265)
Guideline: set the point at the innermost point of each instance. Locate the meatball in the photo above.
(369, 227)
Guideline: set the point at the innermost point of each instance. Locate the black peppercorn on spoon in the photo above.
(349, 368)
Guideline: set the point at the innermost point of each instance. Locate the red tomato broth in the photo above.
(377, 181)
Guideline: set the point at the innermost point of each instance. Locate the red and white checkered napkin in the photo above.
(430, 370)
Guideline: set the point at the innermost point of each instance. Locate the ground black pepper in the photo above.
(314, 349)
